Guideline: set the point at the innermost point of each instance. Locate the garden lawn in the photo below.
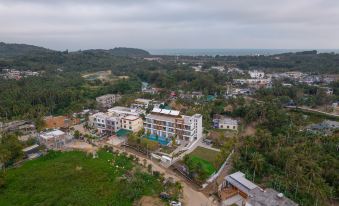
(204, 157)
(205, 154)
(74, 178)
(207, 167)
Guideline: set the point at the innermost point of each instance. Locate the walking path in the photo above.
(312, 110)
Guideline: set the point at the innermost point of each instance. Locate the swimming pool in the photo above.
(161, 140)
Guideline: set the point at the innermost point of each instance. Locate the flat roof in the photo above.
(269, 197)
(51, 134)
(131, 117)
(166, 111)
(228, 121)
(146, 101)
(161, 117)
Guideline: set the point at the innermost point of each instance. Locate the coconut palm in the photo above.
(257, 163)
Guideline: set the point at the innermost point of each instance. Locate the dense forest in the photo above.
(302, 165)
(38, 58)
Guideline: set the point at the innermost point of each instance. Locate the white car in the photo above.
(174, 203)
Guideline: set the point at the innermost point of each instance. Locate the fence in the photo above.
(215, 175)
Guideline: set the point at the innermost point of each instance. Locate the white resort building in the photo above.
(106, 101)
(169, 123)
(117, 118)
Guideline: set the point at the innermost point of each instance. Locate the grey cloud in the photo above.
(79, 24)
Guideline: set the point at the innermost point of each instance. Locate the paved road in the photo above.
(192, 197)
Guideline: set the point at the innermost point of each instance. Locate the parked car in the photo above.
(207, 141)
(174, 203)
(165, 196)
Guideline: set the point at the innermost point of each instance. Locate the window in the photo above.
(130, 127)
(228, 127)
(233, 127)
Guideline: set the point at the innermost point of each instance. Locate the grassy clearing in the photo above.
(205, 154)
(206, 166)
(200, 161)
(73, 178)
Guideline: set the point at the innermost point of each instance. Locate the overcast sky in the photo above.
(83, 24)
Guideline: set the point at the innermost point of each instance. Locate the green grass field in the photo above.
(73, 178)
(205, 157)
(207, 167)
(206, 154)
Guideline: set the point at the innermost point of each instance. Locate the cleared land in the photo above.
(75, 178)
(204, 157)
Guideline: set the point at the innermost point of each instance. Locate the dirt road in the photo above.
(192, 197)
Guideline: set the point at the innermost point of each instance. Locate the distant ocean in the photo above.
(230, 52)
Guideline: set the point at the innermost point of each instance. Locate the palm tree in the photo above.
(257, 163)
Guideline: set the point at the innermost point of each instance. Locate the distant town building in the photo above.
(25, 127)
(191, 95)
(257, 83)
(222, 122)
(107, 101)
(219, 68)
(235, 70)
(54, 139)
(294, 74)
(157, 59)
(145, 103)
(255, 74)
(169, 123)
(145, 88)
(197, 68)
(16, 74)
(237, 190)
(232, 92)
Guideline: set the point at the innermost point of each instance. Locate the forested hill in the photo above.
(23, 57)
(122, 51)
(118, 51)
(14, 50)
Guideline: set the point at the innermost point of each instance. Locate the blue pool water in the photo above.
(161, 140)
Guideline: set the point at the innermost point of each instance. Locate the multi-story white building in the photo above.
(169, 123)
(104, 122)
(256, 74)
(115, 119)
(132, 123)
(54, 139)
(106, 101)
(221, 122)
